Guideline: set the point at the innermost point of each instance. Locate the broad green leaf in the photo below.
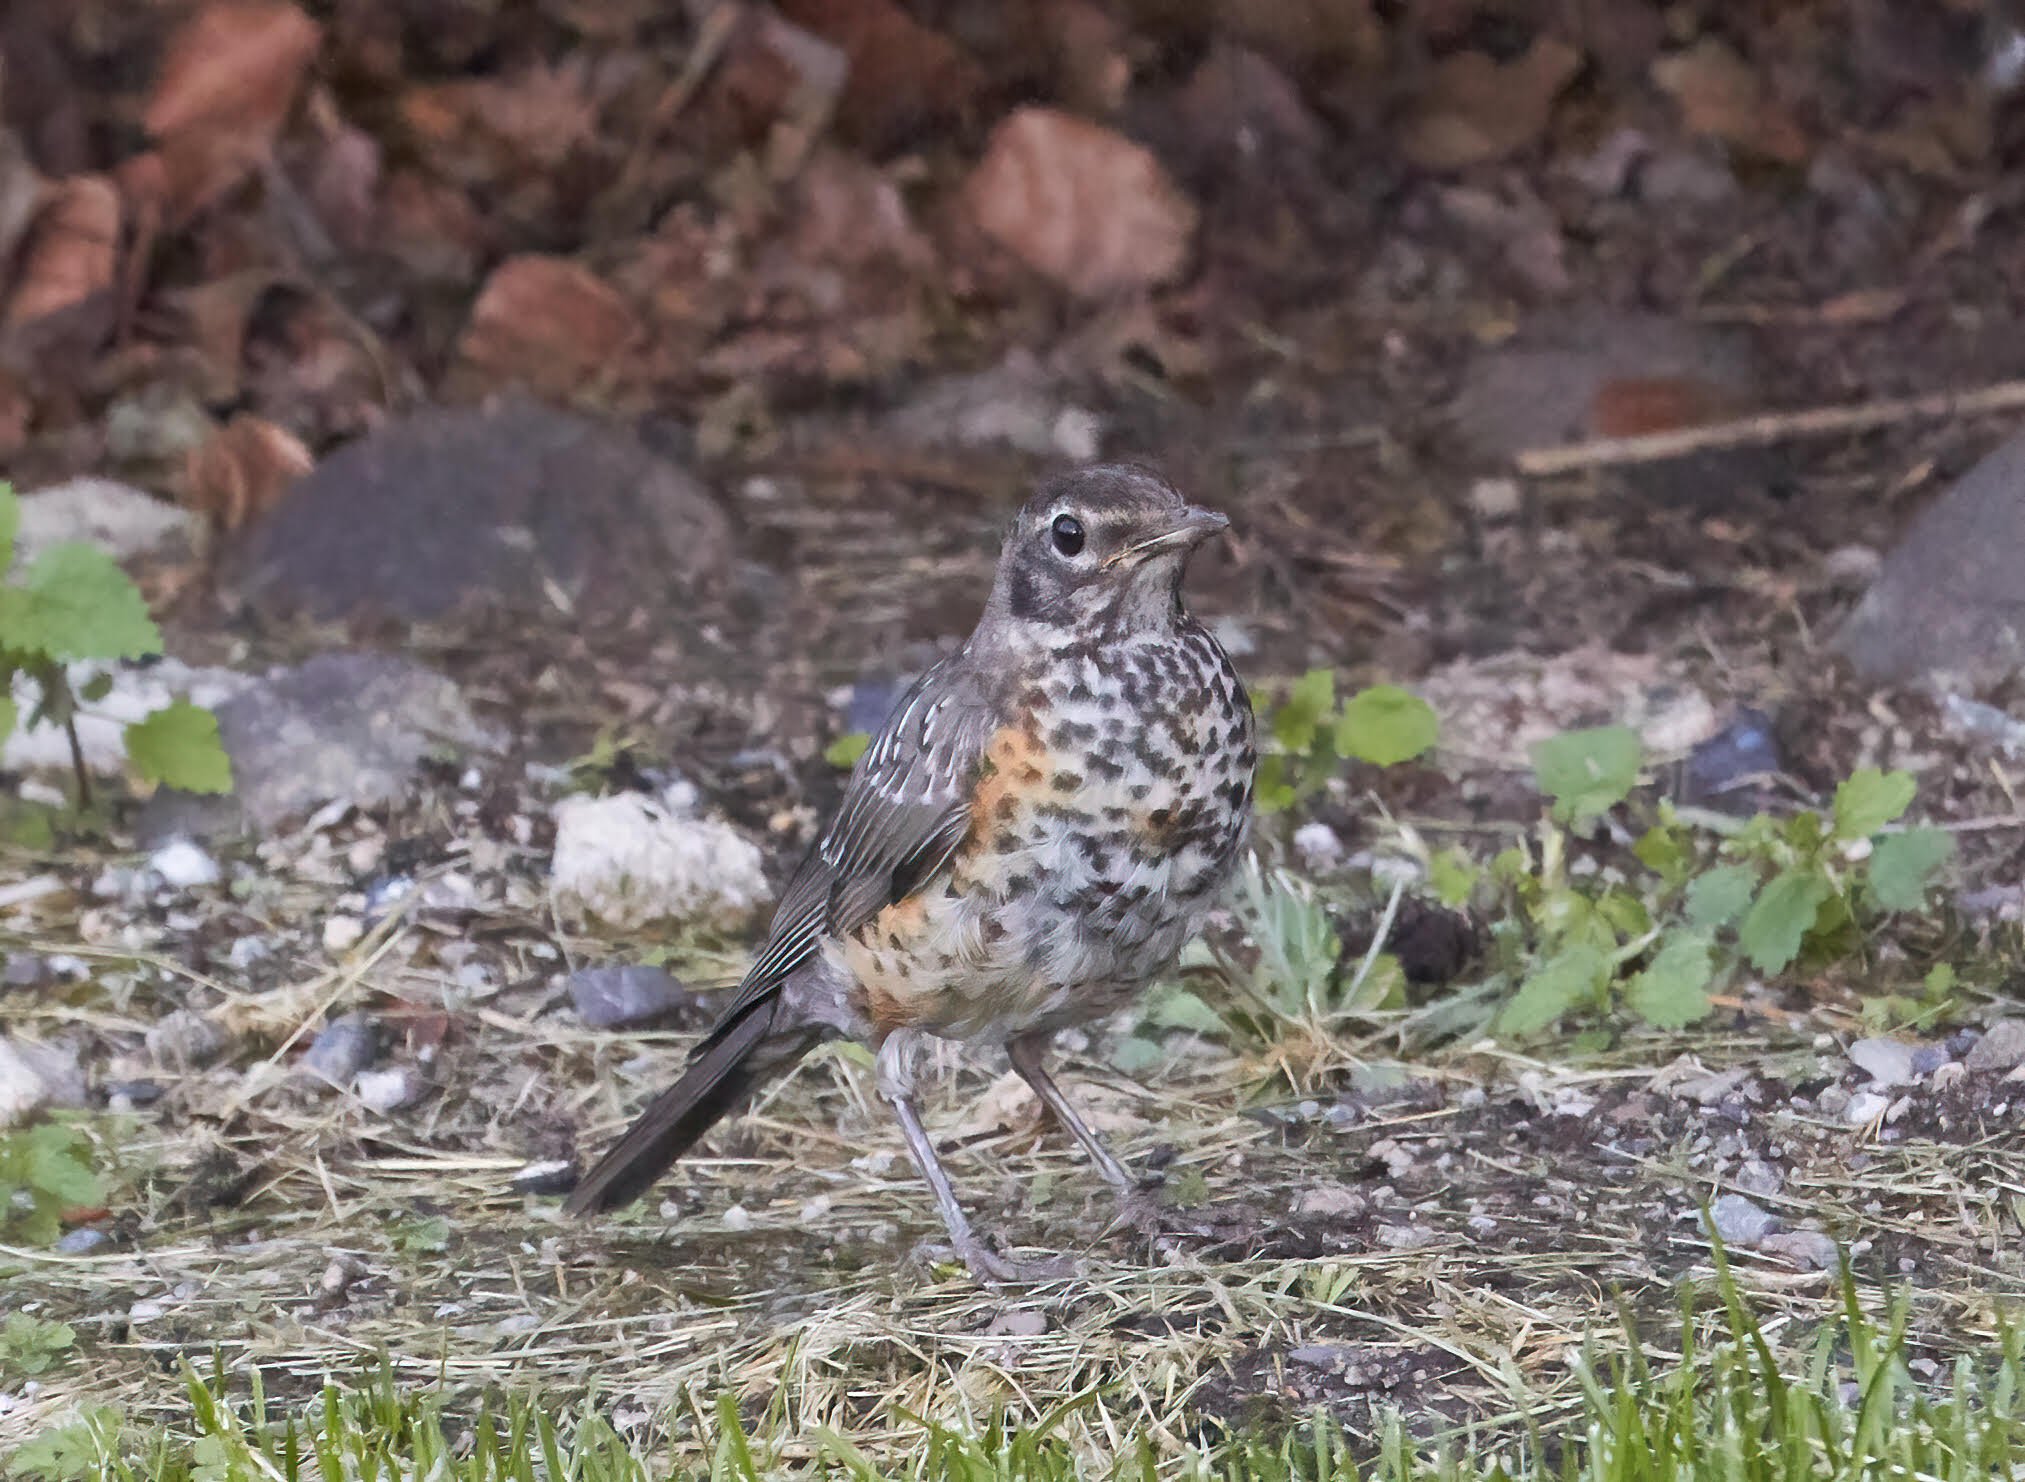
(1780, 917)
(1940, 980)
(1902, 866)
(10, 525)
(1385, 725)
(56, 1167)
(847, 748)
(1587, 772)
(76, 603)
(178, 746)
(1299, 721)
(1719, 896)
(1672, 990)
(1664, 850)
(1869, 800)
(1561, 983)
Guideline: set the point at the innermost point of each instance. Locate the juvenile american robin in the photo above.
(1027, 844)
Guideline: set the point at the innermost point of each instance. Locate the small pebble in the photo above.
(339, 1275)
(1023, 1323)
(738, 1218)
(343, 1048)
(145, 1311)
(248, 950)
(126, 1096)
(1807, 1250)
(23, 970)
(82, 1241)
(1407, 1237)
(614, 997)
(184, 866)
(2000, 1048)
(342, 933)
(1864, 1108)
(1740, 1221)
(390, 1089)
(1319, 846)
(184, 1040)
(1888, 1062)
(1495, 499)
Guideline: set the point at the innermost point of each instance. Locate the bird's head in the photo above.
(1098, 552)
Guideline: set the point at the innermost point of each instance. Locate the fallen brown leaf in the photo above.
(1080, 204)
(1632, 406)
(1473, 110)
(546, 323)
(228, 79)
(1721, 95)
(72, 251)
(903, 75)
(242, 471)
(235, 64)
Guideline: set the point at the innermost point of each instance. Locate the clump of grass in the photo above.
(1847, 1404)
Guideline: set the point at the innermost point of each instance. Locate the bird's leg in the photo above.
(896, 1085)
(1136, 1206)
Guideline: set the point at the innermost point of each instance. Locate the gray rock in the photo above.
(613, 997)
(546, 1176)
(1888, 1062)
(1807, 1250)
(184, 1040)
(347, 727)
(390, 1089)
(484, 508)
(1742, 1222)
(82, 1241)
(1757, 1176)
(121, 520)
(21, 1089)
(2002, 1047)
(1948, 607)
(24, 970)
(343, 1048)
(1865, 1107)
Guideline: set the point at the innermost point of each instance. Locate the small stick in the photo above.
(1772, 427)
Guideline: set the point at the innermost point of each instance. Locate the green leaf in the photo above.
(1556, 986)
(1779, 919)
(1869, 800)
(10, 525)
(1664, 850)
(71, 1452)
(1136, 1054)
(1271, 792)
(178, 746)
(1672, 989)
(1587, 772)
(1299, 721)
(32, 1345)
(847, 748)
(1717, 897)
(1940, 980)
(1453, 875)
(1386, 725)
(1180, 1009)
(1902, 866)
(76, 603)
(57, 1166)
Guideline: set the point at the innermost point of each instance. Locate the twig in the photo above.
(1772, 427)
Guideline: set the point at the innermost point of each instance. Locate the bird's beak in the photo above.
(1189, 529)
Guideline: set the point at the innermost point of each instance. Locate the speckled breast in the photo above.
(1108, 816)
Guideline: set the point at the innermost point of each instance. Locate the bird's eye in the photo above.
(1068, 533)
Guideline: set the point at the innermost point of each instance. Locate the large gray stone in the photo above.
(486, 508)
(1949, 605)
(351, 727)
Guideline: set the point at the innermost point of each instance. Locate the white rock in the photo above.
(99, 512)
(1319, 846)
(738, 1218)
(342, 933)
(631, 861)
(1495, 499)
(1864, 1108)
(101, 726)
(1741, 1221)
(388, 1090)
(1888, 1062)
(21, 1089)
(183, 865)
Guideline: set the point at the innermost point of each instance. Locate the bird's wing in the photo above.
(903, 814)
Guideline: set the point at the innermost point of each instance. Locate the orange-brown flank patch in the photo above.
(1016, 765)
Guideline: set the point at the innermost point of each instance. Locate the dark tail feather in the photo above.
(718, 1081)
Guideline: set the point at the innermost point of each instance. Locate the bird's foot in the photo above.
(991, 1268)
